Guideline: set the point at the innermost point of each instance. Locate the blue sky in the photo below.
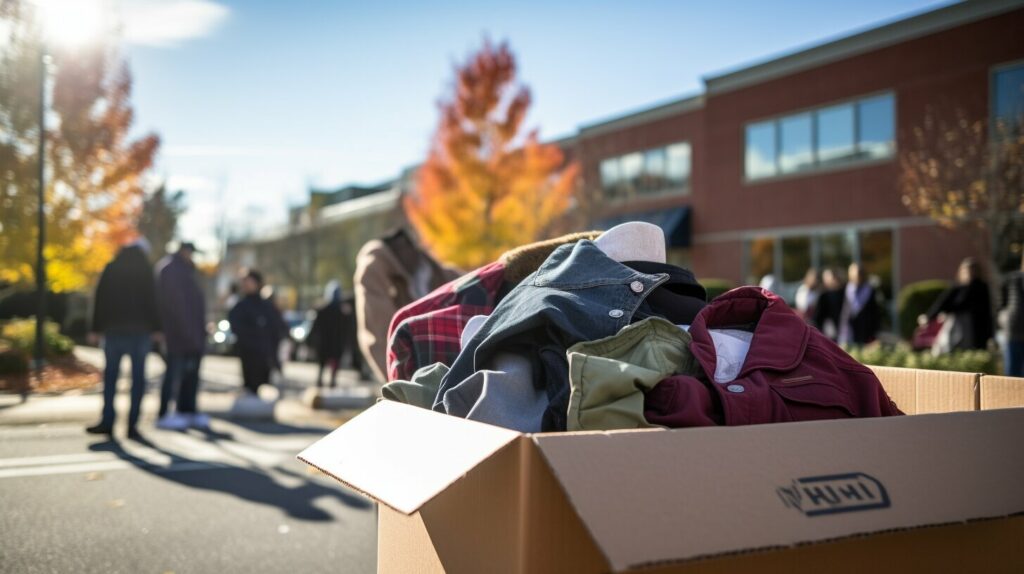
(255, 100)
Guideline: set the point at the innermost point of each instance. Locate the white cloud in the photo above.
(166, 23)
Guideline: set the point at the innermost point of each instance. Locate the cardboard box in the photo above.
(917, 391)
(931, 492)
(1002, 392)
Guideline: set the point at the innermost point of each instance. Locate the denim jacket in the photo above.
(578, 294)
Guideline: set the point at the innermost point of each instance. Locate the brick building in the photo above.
(793, 162)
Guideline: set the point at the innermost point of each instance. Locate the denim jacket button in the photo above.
(616, 313)
(735, 388)
(637, 287)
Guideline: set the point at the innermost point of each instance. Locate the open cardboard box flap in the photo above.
(678, 495)
(403, 456)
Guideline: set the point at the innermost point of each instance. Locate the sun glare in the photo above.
(73, 22)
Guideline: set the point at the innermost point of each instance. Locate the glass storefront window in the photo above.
(836, 251)
(795, 152)
(835, 134)
(876, 124)
(876, 258)
(796, 258)
(762, 258)
(654, 169)
(760, 154)
(632, 167)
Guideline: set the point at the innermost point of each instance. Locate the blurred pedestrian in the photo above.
(861, 316)
(966, 310)
(391, 272)
(258, 328)
(807, 294)
(326, 334)
(828, 309)
(769, 283)
(183, 316)
(125, 314)
(1011, 323)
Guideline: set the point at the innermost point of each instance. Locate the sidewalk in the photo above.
(219, 387)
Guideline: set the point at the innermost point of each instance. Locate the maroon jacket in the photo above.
(792, 372)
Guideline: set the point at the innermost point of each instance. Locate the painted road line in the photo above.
(110, 465)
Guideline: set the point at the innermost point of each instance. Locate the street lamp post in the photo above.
(40, 350)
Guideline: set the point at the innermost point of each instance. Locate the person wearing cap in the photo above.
(183, 315)
(125, 316)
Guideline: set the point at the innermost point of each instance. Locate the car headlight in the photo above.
(299, 333)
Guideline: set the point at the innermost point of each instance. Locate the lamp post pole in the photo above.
(40, 350)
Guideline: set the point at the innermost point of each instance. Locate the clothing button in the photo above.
(735, 388)
(637, 287)
(615, 313)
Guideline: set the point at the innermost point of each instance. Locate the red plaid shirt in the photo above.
(427, 330)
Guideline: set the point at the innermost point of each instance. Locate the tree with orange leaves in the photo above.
(94, 189)
(487, 186)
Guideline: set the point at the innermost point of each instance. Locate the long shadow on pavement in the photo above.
(247, 483)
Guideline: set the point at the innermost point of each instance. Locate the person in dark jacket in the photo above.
(183, 316)
(1011, 323)
(125, 314)
(829, 308)
(327, 333)
(258, 327)
(861, 316)
(968, 308)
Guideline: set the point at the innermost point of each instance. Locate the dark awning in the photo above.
(674, 221)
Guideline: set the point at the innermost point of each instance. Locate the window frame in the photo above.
(626, 189)
(817, 168)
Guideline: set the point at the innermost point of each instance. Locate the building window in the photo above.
(760, 157)
(795, 149)
(860, 129)
(836, 141)
(649, 172)
(1008, 98)
(875, 126)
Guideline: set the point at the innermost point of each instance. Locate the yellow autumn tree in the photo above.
(488, 185)
(93, 170)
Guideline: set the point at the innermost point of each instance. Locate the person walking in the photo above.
(125, 315)
(326, 334)
(807, 295)
(258, 327)
(967, 311)
(1011, 322)
(183, 316)
(860, 318)
(828, 309)
(391, 272)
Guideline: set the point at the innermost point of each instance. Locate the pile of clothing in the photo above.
(589, 333)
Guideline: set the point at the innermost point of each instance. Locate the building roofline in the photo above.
(644, 116)
(873, 38)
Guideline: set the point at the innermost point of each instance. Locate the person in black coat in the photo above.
(258, 326)
(829, 308)
(326, 335)
(968, 305)
(125, 315)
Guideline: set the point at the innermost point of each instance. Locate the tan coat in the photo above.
(382, 287)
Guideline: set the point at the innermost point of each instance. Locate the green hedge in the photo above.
(716, 287)
(903, 356)
(915, 299)
(20, 334)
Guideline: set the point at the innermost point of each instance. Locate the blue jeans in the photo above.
(184, 370)
(116, 346)
(1013, 358)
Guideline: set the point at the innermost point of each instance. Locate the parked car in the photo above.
(299, 325)
(220, 338)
